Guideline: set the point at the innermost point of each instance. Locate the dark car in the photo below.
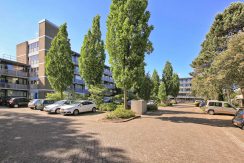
(238, 120)
(18, 101)
(4, 100)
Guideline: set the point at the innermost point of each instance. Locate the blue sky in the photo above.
(180, 26)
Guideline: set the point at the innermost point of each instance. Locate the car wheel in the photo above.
(211, 112)
(76, 112)
(57, 111)
(35, 108)
(16, 105)
(94, 109)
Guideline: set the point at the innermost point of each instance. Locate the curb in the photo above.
(120, 120)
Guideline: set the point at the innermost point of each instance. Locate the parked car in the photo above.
(219, 107)
(39, 104)
(78, 107)
(55, 107)
(5, 100)
(18, 101)
(238, 120)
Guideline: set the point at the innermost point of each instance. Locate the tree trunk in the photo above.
(61, 95)
(125, 98)
(242, 101)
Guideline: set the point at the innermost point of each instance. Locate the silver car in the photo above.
(220, 107)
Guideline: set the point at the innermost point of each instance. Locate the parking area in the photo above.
(173, 134)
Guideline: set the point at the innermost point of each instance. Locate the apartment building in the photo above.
(185, 93)
(13, 78)
(33, 52)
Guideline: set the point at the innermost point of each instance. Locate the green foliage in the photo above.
(155, 84)
(225, 26)
(120, 113)
(144, 91)
(97, 94)
(92, 58)
(167, 77)
(108, 107)
(175, 85)
(127, 41)
(152, 107)
(59, 65)
(56, 96)
(162, 96)
(228, 66)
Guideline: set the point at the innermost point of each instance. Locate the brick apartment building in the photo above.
(33, 52)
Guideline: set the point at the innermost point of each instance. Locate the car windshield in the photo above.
(60, 102)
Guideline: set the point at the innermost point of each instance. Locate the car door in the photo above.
(218, 107)
(89, 106)
(228, 109)
(83, 106)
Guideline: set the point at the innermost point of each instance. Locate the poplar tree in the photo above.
(175, 85)
(162, 95)
(92, 58)
(167, 77)
(59, 66)
(155, 84)
(127, 41)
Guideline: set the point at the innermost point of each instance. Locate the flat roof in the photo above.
(13, 62)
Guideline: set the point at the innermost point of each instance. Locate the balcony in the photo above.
(78, 81)
(13, 73)
(107, 79)
(13, 86)
(34, 86)
(80, 90)
(107, 72)
(109, 86)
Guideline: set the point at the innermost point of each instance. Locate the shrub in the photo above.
(55, 96)
(152, 107)
(120, 112)
(108, 107)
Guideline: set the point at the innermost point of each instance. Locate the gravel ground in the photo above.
(174, 134)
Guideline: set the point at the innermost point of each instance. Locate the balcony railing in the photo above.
(107, 79)
(109, 86)
(13, 86)
(13, 73)
(80, 90)
(107, 72)
(34, 86)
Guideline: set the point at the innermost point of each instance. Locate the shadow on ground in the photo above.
(168, 111)
(202, 121)
(33, 138)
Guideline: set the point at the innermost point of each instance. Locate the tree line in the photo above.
(127, 43)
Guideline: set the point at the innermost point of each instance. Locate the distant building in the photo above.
(33, 53)
(185, 93)
(13, 79)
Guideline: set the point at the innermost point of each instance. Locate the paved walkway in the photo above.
(174, 134)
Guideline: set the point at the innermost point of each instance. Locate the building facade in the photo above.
(33, 52)
(185, 93)
(14, 78)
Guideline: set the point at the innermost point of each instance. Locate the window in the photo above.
(211, 104)
(226, 105)
(218, 104)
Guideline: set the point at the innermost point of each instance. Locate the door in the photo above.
(228, 109)
(83, 107)
(218, 107)
(89, 106)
